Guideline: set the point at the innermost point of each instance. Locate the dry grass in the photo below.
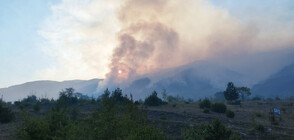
(247, 115)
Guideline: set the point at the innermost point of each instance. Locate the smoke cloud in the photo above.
(163, 34)
(121, 40)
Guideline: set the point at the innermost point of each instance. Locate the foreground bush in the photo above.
(6, 115)
(215, 131)
(117, 118)
(230, 114)
(219, 107)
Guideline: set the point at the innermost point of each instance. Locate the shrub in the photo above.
(219, 107)
(230, 114)
(206, 110)
(112, 121)
(231, 92)
(215, 131)
(163, 117)
(205, 103)
(137, 103)
(37, 107)
(174, 105)
(153, 100)
(6, 115)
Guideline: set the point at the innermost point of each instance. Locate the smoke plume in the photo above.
(127, 39)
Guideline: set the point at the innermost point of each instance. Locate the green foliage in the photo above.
(219, 107)
(163, 117)
(74, 113)
(205, 103)
(173, 99)
(6, 115)
(153, 100)
(30, 99)
(244, 92)
(231, 92)
(67, 97)
(37, 107)
(206, 110)
(215, 131)
(117, 118)
(230, 114)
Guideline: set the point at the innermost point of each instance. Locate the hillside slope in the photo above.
(49, 89)
(280, 84)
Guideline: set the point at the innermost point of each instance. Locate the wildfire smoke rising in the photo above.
(162, 34)
(138, 37)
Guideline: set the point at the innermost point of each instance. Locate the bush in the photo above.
(6, 115)
(113, 121)
(219, 107)
(153, 100)
(215, 131)
(205, 103)
(230, 114)
(37, 107)
(206, 110)
(163, 117)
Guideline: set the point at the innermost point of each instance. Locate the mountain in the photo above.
(194, 80)
(49, 89)
(280, 84)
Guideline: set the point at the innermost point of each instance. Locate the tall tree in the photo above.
(231, 92)
(244, 91)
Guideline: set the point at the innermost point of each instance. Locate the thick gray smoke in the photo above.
(163, 34)
(127, 40)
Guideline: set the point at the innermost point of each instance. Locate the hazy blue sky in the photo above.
(22, 56)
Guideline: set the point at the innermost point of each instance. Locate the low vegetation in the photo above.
(6, 115)
(153, 100)
(219, 107)
(114, 115)
(205, 103)
(214, 131)
(117, 118)
(230, 114)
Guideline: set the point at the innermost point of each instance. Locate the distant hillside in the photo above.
(48, 89)
(195, 80)
(280, 84)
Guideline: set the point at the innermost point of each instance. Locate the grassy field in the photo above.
(174, 117)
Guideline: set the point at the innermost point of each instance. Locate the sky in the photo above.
(79, 39)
